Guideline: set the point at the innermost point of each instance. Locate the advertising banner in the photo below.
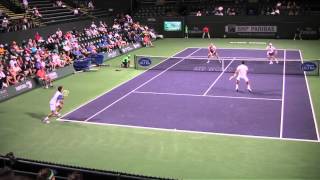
(131, 47)
(17, 89)
(61, 72)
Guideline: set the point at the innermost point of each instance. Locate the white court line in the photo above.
(89, 101)
(214, 82)
(310, 99)
(88, 119)
(207, 96)
(193, 132)
(283, 91)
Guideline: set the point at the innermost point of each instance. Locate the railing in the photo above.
(28, 167)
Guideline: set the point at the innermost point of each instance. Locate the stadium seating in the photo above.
(83, 47)
(53, 14)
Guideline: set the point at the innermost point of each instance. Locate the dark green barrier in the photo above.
(61, 72)
(112, 54)
(17, 89)
(131, 47)
(30, 84)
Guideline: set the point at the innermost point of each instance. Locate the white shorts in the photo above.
(243, 77)
(53, 107)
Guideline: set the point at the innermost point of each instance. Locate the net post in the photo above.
(222, 64)
(318, 68)
(135, 61)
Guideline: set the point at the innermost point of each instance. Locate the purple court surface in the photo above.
(206, 102)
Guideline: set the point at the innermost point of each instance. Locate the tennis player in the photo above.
(56, 104)
(212, 52)
(241, 73)
(271, 53)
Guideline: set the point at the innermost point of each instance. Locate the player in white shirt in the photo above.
(241, 73)
(56, 104)
(271, 53)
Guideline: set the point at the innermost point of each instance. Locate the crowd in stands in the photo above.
(19, 61)
(8, 24)
(217, 11)
(290, 8)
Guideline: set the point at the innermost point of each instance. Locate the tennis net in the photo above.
(255, 65)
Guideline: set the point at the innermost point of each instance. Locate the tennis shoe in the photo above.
(270, 62)
(57, 114)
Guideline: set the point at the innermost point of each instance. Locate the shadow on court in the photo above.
(36, 115)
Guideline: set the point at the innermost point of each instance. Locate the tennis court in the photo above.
(184, 93)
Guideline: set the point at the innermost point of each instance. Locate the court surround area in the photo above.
(184, 93)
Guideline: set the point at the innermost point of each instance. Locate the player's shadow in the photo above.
(268, 93)
(36, 115)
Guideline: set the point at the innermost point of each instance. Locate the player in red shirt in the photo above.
(212, 52)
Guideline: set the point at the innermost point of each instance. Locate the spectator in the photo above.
(4, 24)
(3, 78)
(2, 51)
(219, 11)
(205, 31)
(46, 174)
(146, 40)
(199, 13)
(58, 3)
(75, 176)
(76, 11)
(36, 12)
(90, 5)
(297, 34)
(44, 78)
(25, 4)
(6, 174)
(186, 32)
(231, 12)
(25, 23)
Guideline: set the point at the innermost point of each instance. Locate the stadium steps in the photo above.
(52, 14)
(54, 11)
(64, 20)
(59, 14)
(11, 14)
(60, 17)
(51, 8)
(7, 11)
(33, 2)
(99, 13)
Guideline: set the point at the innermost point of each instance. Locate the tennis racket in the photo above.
(65, 93)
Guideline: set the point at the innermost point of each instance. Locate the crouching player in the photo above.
(241, 73)
(56, 104)
(212, 52)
